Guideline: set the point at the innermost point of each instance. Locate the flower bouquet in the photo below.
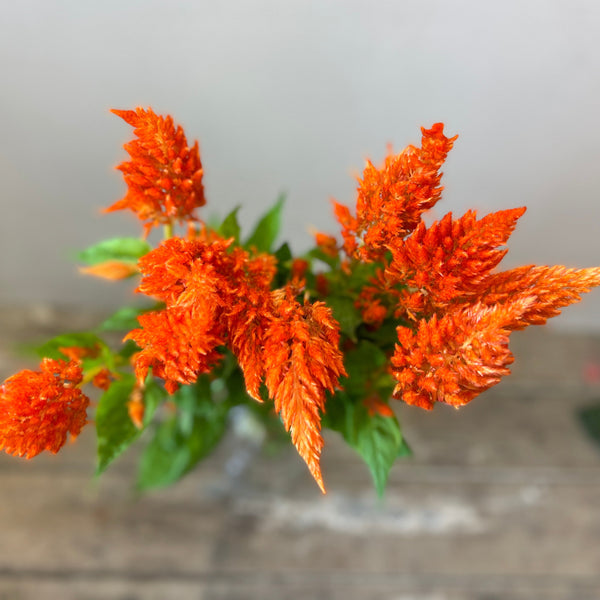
(393, 310)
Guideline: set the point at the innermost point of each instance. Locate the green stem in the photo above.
(168, 230)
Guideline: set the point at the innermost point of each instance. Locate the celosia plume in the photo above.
(449, 261)
(39, 408)
(454, 358)
(302, 363)
(391, 199)
(164, 175)
(552, 288)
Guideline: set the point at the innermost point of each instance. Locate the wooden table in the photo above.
(501, 501)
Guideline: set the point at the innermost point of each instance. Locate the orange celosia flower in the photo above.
(164, 176)
(552, 288)
(248, 315)
(327, 244)
(179, 343)
(136, 408)
(392, 198)
(448, 261)
(39, 408)
(302, 362)
(212, 297)
(103, 379)
(177, 264)
(111, 269)
(375, 406)
(299, 268)
(456, 357)
(374, 298)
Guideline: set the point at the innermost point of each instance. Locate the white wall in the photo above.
(294, 95)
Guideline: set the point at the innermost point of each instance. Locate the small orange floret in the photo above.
(136, 408)
(375, 406)
(103, 379)
(39, 408)
(111, 269)
(164, 175)
(327, 244)
(299, 268)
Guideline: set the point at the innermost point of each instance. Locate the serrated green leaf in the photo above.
(379, 442)
(345, 313)
(267, 229)
(115, 430)
(121, 249)
(376, 438)
(125, 319)
(183, 440)
(230, 228)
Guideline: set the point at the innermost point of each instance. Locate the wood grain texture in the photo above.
(500, 502)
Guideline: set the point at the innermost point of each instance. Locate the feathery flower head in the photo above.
(303, 362)
(456, 357)
(392, 198)
(169, 270)
(164, 175)
(39, 408)
(449, 261)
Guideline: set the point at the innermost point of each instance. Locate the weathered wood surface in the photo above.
(501, 502)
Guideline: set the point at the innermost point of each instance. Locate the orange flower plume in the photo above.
(392, 199)
(214, 297)
(302, 363)
(456, 357)
(164, 175)
(39, 408)
(449, 261)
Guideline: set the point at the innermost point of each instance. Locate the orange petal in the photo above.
(111, 269)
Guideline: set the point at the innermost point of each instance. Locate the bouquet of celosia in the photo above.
(396, 310)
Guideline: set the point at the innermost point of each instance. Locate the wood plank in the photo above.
(500, 502)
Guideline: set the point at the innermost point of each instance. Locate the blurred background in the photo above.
(293, 96)
(500, 501)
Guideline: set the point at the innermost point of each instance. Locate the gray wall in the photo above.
(293, 95)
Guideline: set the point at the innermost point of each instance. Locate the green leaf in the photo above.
(121, 249)
(365, 364)
(267, 229)
(379, 442)
(115, 430)
(331, 261)
(283, 256)
(376, 438)
(385, 336)
(83, 340)
(345, 313)
(230, 228)
(589, 417)
(183, 440)
(125, 319)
